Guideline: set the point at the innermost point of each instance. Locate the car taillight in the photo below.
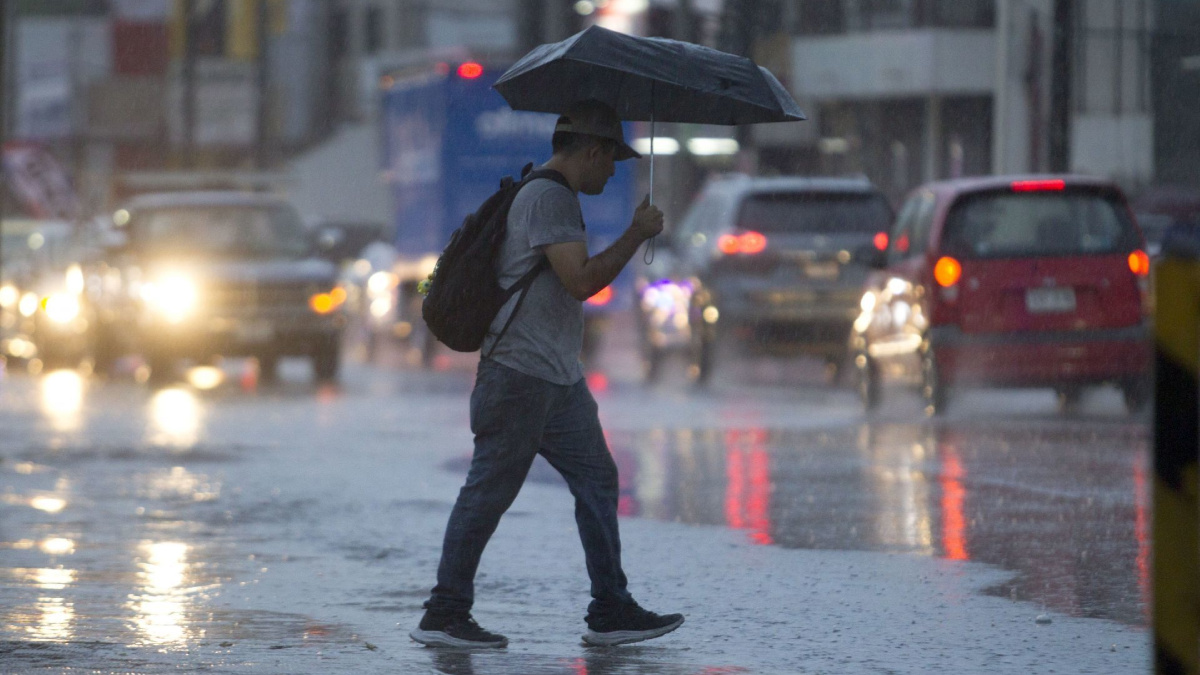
(1139, 263)
(602, 297)
(947, 271)
(881, 241)
(748, 242)
(470, 71)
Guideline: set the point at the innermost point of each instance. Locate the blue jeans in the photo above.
(514, 417)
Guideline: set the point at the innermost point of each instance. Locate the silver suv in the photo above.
(771, 265)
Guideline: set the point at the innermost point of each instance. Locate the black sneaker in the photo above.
(455, 630)
(629, 623)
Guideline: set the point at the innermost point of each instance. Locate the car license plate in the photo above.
(822, 270)
(1050, 300)
(254, 331)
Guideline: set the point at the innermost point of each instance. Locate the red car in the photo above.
(1008, 281)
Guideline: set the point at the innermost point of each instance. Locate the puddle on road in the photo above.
(1065, 505)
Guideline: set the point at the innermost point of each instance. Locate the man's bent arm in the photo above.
(585, 276)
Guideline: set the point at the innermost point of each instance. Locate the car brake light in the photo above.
(749, 242)
(1139, 263)
(1038, 185)
(881, 241)
(947, 271)
(602, 297)
(470, 71)
(753, 242)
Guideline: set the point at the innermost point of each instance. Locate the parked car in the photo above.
(1024, 282)
(205, 274)
(769, 265)
(44, 314)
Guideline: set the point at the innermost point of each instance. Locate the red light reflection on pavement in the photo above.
(580, 667)
(954, 497)
(748, 490)
(1141, 531)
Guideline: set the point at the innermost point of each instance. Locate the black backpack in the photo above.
(465, 295)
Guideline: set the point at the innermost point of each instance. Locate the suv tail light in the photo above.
(1139, 263)
(749, 242)
(947, 271)
(944, 308)
(881, 241)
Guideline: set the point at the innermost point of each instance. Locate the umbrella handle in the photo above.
(648, 254)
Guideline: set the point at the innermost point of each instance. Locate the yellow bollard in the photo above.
(1176, 615)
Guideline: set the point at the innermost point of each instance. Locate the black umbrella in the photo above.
(647, 79)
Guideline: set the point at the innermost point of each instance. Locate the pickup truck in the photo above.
(198, 275)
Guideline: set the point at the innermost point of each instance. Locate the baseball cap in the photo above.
(596, 118)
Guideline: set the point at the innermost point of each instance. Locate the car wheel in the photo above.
(104, 353)
(162, 367)
(268, 367)
(652, 364)
(371, 344)
(1137, 394)
(429, 349)
(327, 359)
(867, 382)
(702, 352)
(835, 369)
(933, 388)
(1069, 399)
(593, 338)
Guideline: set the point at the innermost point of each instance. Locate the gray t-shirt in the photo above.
(546, 337)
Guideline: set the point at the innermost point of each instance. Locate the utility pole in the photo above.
(1065, 18)
(5, 102)
(261, 149)
(188, 75)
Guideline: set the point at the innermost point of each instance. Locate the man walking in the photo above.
(530, 395)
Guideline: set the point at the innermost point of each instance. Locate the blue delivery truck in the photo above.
(448, 139)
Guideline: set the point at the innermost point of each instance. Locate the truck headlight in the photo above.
(173, 297)
(61, 307)
(9, 295)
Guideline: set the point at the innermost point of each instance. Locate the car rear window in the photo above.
(815, 212)
(1070, 222)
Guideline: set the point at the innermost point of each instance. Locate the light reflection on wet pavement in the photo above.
(1065, 505)
(109, 544)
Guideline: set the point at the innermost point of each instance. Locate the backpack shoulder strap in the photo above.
(522, 285)
(551, 174)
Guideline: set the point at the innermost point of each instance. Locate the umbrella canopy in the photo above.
(647, 79)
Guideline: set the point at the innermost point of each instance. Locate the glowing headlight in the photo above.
(28, 304)
(8, 295)
(75, 279)
(324, 303)
(61, 307)
(174, 297)
(381, 282)
(867, 303)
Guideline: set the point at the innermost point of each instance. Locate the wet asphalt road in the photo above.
(128, 509)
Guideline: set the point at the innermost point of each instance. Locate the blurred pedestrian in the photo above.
(531, 397)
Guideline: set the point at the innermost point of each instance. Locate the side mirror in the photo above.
(328, 240)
